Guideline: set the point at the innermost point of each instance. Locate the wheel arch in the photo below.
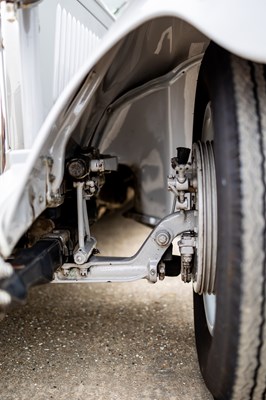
(210, 19)
(202, 19)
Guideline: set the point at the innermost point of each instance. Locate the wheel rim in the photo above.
(206, 205)
(205, 275)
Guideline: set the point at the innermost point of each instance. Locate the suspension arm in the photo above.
(144, 264)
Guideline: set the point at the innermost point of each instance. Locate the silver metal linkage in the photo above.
(144, 264)
(86, 243)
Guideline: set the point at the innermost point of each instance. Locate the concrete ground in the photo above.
(130, 341)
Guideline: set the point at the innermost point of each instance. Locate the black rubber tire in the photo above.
(233, 359)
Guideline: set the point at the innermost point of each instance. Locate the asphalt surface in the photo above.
(128, 341)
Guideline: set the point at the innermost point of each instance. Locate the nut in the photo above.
(79, 258)
(163, 238)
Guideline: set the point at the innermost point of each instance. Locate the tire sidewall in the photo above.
(218, 354)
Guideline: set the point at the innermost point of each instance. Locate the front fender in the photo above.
(238, 26)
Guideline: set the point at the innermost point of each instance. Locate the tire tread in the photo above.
(248, 383)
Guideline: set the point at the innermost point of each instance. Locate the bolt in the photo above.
(161, 272)
(79, 258)
(163, 238)
(83, 272)
(152, 272)
(77, 168)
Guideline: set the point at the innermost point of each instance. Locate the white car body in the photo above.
(43, 132)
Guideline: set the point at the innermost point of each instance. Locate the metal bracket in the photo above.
(144, 264)
(86, 243)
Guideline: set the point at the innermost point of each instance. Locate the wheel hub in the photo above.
(195, 189)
